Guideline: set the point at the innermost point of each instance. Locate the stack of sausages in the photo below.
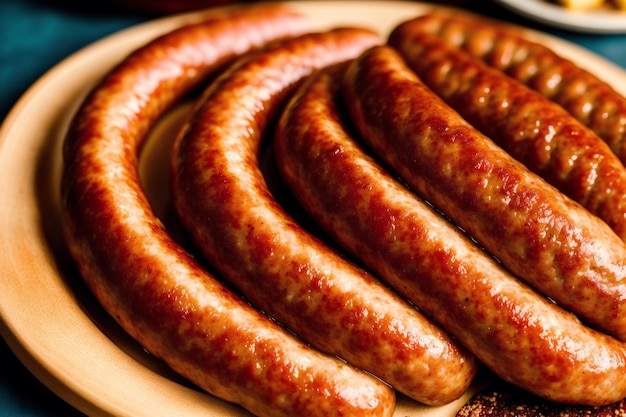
(459, 216)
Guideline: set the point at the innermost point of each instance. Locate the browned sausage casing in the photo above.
(532, 128)
(224, 202)
(516, 332)
(537, 232)
(149, 284)
(588, 98)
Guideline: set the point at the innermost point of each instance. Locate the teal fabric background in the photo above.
(36, 35)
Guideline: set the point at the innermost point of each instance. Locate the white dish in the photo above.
(602, 20)
(48, 318)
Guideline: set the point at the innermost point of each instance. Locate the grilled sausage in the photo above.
(154, 289)
(224, 202)
(530, 127)
(537, 232)
(591, 100)
(517, 333)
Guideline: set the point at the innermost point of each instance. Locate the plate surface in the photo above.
(48, 317)
(603, 20)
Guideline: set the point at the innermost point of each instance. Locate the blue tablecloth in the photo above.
(37, 34)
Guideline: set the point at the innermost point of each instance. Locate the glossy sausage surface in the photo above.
(538, 233)
(517, 333)
(591, 100)
(152, 287)
(224, 201)
(532, 128)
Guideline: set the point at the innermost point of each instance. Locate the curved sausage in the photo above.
(153, 287)
(225, 204)
(537, 232)
(517, 333)
(533, 129)
(591, 100)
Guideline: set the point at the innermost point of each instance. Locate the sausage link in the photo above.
(591, 100)
(537, 232)
(224, 202)
(530, 127)
(153, 287)
(516, 332)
